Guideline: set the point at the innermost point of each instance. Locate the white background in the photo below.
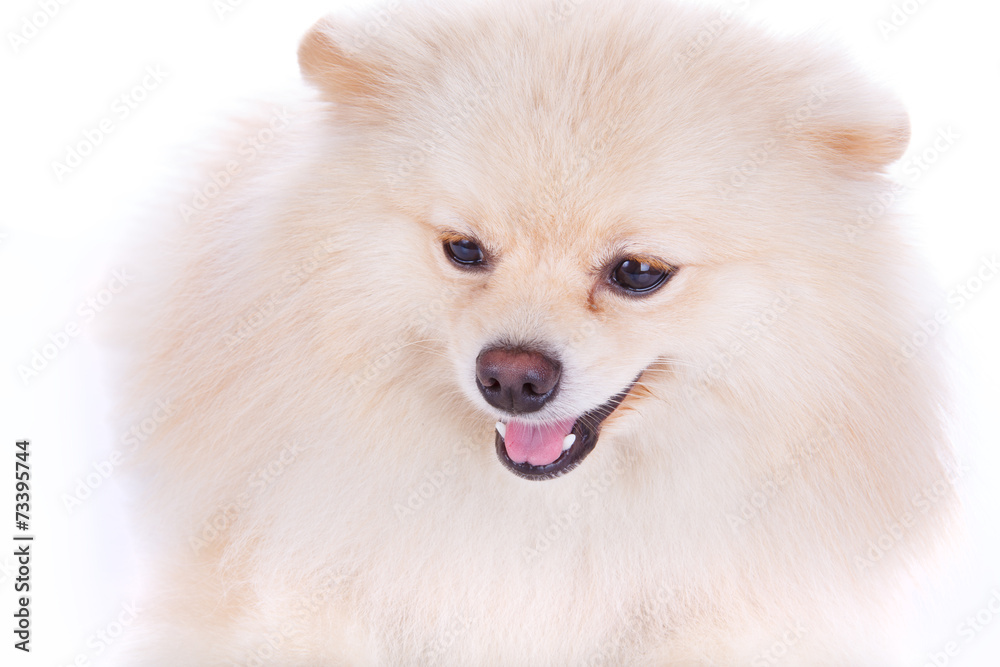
(57, 249)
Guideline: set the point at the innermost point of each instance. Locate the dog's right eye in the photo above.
(464, 252)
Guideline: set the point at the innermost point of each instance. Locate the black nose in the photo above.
(516, 380)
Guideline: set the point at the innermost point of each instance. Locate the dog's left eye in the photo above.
(634, 275)
(464, 251)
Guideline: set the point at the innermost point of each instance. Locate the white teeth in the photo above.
(568, 441)
(502, 429)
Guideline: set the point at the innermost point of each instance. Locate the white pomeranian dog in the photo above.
(540, 333)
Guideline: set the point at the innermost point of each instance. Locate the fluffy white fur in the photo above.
(326, 490)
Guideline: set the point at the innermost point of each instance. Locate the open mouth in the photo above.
(546, 451)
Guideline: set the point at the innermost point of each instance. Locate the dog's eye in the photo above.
(634, 275)
(464, 252)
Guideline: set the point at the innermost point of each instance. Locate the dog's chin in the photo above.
(586, 429)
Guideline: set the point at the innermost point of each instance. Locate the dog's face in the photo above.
(557, 325)
(605, 207)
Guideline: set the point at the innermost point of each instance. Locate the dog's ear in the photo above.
(867, 147)
(333, 60)
(864, 130)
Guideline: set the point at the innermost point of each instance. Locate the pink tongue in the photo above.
(537, 444)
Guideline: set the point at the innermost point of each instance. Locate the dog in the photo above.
(538, 333)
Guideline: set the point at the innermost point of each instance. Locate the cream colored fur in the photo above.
(326, 490)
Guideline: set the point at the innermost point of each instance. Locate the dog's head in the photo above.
(609, 195)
